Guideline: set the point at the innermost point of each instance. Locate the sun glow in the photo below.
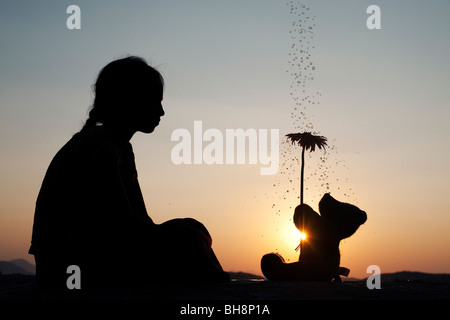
(302, 236)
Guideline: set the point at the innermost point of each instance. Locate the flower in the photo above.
(307, 140)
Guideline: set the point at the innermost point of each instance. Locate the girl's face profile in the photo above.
(149, 110)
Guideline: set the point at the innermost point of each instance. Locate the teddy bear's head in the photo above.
(336, 218)
(345, 216)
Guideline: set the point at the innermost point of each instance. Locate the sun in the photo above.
(302, 236)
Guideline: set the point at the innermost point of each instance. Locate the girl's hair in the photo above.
(118, 84)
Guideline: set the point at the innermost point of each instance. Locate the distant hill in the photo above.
(396, 277)
(25, 265)
(244, 276)
(415, 277)
(17, 266)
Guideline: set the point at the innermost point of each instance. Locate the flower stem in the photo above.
(302, 174)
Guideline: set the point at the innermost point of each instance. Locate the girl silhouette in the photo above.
(90, 211)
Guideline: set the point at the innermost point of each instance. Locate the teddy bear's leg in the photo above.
(272, 266)
(309, 270)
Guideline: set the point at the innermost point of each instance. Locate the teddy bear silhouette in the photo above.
(319, 258)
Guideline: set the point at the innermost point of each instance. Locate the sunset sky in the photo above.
(381, 97)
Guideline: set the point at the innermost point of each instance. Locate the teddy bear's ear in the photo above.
(345, 216)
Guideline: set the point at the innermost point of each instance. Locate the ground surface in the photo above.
(398, 286)
(403, 295)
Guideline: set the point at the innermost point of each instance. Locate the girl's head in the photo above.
(128, 94)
